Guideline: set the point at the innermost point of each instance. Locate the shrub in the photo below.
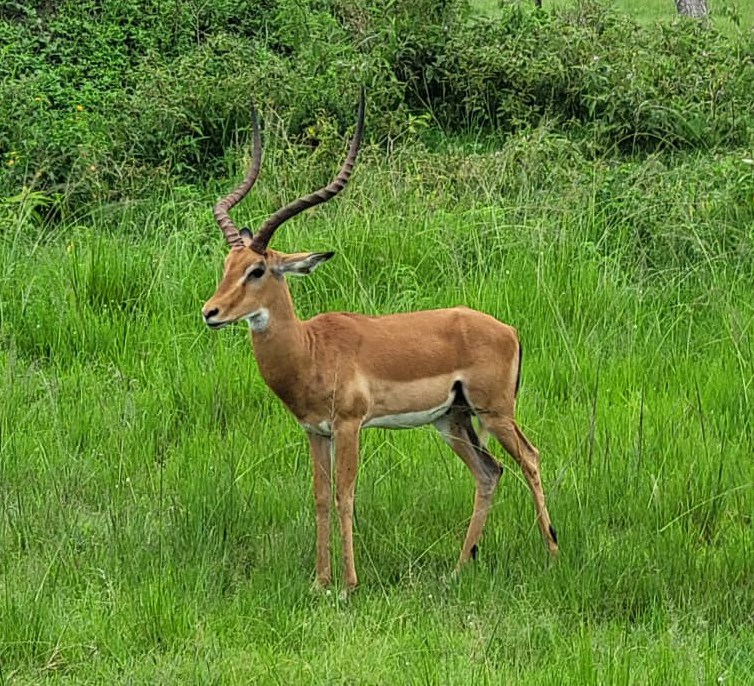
(103, 100)
(598, 73)
(99, 99)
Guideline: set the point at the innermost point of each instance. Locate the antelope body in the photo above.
(340, 372)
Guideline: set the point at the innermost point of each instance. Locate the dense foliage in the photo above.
(102, 100)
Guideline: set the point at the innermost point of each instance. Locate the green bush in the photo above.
(598, 73)
(101, 101)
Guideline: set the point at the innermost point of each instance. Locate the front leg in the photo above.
(346, 437)
(319, 447)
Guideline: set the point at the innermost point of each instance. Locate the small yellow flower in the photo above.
(11, 162)
(91, 167)
(79, 108)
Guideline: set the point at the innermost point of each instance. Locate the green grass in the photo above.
(156, 514)
(727, 15)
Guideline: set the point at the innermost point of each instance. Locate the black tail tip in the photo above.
(474, 551)
(553, 534)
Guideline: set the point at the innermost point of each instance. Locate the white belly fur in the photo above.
(403, 420)
(321, 429)
(409, 420)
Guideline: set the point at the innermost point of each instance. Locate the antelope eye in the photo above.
(255, 273)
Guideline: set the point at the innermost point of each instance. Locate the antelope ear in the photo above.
(303, 263)
(246, 236)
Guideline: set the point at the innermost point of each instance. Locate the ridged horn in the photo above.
(222, 207)
(263, 236)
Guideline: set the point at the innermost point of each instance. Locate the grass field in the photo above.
(156, 508)
(156, 514)
(727, 15)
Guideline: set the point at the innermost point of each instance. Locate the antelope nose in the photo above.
(210, 313)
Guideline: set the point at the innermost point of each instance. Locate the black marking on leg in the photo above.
(490, 464)
(465, 421)
(461, 413)
(474, 551)
(518, 373)
(553, 534)
(459, 401)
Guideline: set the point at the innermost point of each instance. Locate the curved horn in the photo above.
(220, 210)
(263, 236)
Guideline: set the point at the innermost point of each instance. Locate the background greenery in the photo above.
(101, 101)
(580, 173)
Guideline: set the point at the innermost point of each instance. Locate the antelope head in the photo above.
(253, 280)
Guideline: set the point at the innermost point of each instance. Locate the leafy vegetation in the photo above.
(595, 73)
(103, 101)
(156, 519)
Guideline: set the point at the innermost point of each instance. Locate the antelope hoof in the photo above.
(456, 573)
(345, 594)
(552, 543)
(321, 586)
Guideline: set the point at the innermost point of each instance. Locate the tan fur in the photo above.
(339, 371)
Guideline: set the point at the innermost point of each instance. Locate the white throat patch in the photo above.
(258, 320)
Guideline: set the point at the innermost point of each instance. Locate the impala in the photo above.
(338, 372)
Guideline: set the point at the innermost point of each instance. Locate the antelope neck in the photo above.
(280, 350)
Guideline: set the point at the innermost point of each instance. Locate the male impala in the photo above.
(338, 372)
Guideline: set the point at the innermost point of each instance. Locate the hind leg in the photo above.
(504, 429)
(459, 434)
